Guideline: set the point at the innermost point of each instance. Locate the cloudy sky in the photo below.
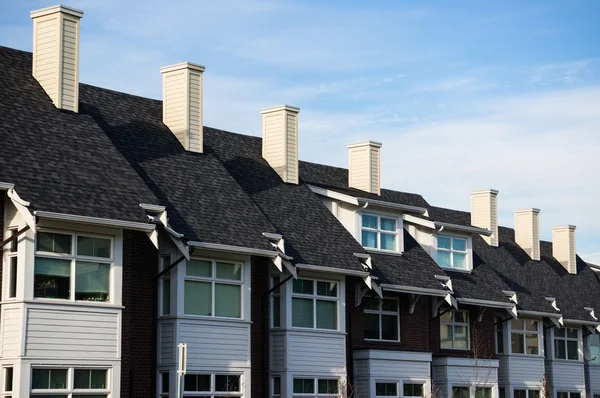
(464, 95)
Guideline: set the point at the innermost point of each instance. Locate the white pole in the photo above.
(181, 366)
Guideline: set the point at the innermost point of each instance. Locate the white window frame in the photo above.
(524, 332)
(71, 390)
(214, 281)
(383, 381)
(527, 391)
(73, 257)
(399, 233)
(161, 384)
(379, 312)
(272, 385)
(314, 297)
(212, 392)
(453, 323)
(5, 392)
(10, 255)
(316, 388)
(566, 339)
(468, 252)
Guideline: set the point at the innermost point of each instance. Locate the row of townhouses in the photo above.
(129, 228)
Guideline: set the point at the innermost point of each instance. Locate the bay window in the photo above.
(12, 265)
(213, 288)
(566, 343)
(165, 284)
(452, 252)
(566, 394)
(413, 390)
(483, 392)
(386, 389)
(593, 341)
(315, 387)
(315, 304)
(461, 392)
(524, 336)
(522, 393)
(499, 335)
(382, 320)
(379, 232)
(454, 330)
(275, 303)
(212, 385)
(72, 267)
(69, 383)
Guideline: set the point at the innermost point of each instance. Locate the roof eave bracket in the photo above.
(23, 208)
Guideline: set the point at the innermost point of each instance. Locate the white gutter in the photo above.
(390, 205)
(419, 221)
(485, 303)
(578, 322)
(540, 314)
(331, 270)
(5, 186)
(233, 249)
(334, 195)
(441, 225)
(137, 226)
(152, 208)
(413, 289)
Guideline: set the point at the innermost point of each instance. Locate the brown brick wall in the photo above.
(138, 352)
(259, 337)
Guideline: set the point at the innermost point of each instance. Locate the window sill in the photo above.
(379, 251)
(382, 341)
(464, 271)
(61, 302)
(525, 355)
(206, 318)
(574, 361)
(315, 331)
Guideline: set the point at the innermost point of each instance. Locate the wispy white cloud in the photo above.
(567, 72)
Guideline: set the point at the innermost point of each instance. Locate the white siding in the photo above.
(363, 166)
(567, 375)
(563, 247)
(216, 343)
(277, 348)
(484, 213)
(45, 66)
(316, 352)
(525, 371)
(280, 141)
(448, 372)
(69, 95)
(167, 343)
(195, 112)
(11, 332)
(174, 104)
(291, 146)
(82, 334)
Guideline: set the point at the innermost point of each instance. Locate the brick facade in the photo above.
(259, 331)
(138, 344)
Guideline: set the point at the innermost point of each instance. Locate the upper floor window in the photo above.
(379, 232)
(12, 265)
(60, 257)
(213, 288)
(566, 343)
(452, 252)
(594, 348)
(382, 321)
(315, 304)
(499, 336)
(454, 330)
(524, 336)
(165, 283)
(275, 302)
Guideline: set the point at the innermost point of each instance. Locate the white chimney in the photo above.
(563, 247)
(484, 213)
(364, 166)
(527, 231)
(182, 103)
(56, 54)
(280, 140)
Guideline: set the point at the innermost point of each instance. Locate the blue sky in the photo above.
(464, 95)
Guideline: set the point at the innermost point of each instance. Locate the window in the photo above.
(452, 252)
(566, 343)
(520, 393)
(213, 288)
(499, 336)
(275, 303)
(533, 393)
(322, 387)
(54, 262)
(483, 392)
(164, 384)
(211, 385)
(386, 389)
(413, 390)
(379, 232)
(594, 348)
(524, 336)
(568, 394)
(12, 265)
(165, 283)
(461, 392)
(382, 320)
(8, 380)
(454, 330)
(276, 387)
(501, 392)
(69, 382)
(315, 304)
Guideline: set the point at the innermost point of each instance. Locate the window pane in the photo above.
(533, 394)
(276, 386)
(304, 386)
(572, 350)
(575, 395)
(459, 244)
(92, 281)
(446, 316)
(517, 344)
(443, 258)
(12, 288)
(369, 221)
(460, 316)
(520, 393)
(93, 247)
(328, 289)
(166, 296)
(532, 344)
(197, 298)
(229, 271)
(516, 324)
(58, 378)
(40, 378)
(369, 239)
(388, 224)
(327, 387)
(302, 312)
(387, 389)
(228, 300)
(483, 392)
(372, 326)
(326, 314)
(276, 312)
(164, 382)
(52, 278)
(460, 392)
(227, 383)
(8, 379)
(446, 336)
(388, 242)
(389, 327)
(531, 325)
(196, 383)
(199, 268)
(54, 243)
(562, 395)
(559, 332)
(413, 390)
(390, 305)
(303, 286)
(460, 260)
(443, 242)
(460, 337)
(560, 350)
(372, 304)
(82, 378)
(572, 333)
(12, 247)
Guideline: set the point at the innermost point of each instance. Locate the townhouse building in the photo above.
(128, 227)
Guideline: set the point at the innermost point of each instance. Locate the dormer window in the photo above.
(453, 252)
(380, 232)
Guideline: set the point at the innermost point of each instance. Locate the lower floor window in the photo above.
(164, 384)
(211, 385)
(568, 394)
(413, 390)
(461, 392)
(69, 383)
(276, 387)
(483, 392)
(316, 387)
(386, 389)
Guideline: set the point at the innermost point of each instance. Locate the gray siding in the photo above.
(277, 348)
(316, 353)
(567, 375)
(593, 376)
(167, 343)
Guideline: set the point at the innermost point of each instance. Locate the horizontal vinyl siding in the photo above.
(274, 141)
(175, 104)
(594, 378)
(374, 158)
(359, 168)
(167, 343)
(277, 348)
(46, 55)
(216, 344)
(503, 372)
(316, 352)
(567, 375)
(69, 65)
(525, 371)
(292, 150)
(71, 334)
(11, 332)
(195, 112)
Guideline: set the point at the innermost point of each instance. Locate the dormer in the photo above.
(380, 231)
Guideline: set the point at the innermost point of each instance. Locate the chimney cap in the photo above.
(482, 191)
(54, 9)
(277, 108)
(571, 227)
(530, 210)
(183, 65)
(364, 143)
